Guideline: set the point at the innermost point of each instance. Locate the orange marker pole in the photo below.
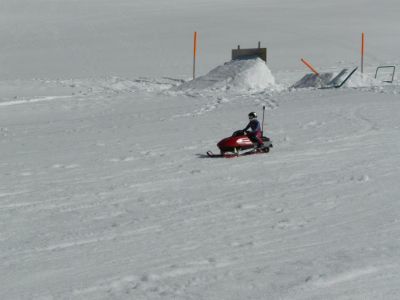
(309, 66)
(362, 51)
(194, 54)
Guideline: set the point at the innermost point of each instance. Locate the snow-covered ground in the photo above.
(105, 189)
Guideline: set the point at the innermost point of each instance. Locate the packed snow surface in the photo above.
(106, 193)
(105, 188)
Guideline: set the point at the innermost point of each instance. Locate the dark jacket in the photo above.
(255, 127)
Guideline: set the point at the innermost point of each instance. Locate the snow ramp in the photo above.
(325, 80)
(236, 75)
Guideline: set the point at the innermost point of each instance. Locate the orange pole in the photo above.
(362, 51)
(194, 54)
(310, 66)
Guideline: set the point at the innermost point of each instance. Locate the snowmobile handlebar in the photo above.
(239, 132)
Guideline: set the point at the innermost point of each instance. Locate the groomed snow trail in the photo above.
(107, 195)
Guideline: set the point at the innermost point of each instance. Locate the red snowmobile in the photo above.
(240, 144)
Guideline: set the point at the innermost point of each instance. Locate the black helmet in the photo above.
(252, 115)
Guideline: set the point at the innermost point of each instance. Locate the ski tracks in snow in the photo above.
(217, 101)
(33, 100)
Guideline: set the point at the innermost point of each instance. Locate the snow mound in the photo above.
(236, 75)
(359, 80)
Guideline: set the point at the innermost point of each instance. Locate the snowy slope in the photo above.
(107, 195)
(105, 189)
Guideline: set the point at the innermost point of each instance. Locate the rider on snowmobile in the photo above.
(253, 130)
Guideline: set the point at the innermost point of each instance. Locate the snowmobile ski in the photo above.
(232, 155)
